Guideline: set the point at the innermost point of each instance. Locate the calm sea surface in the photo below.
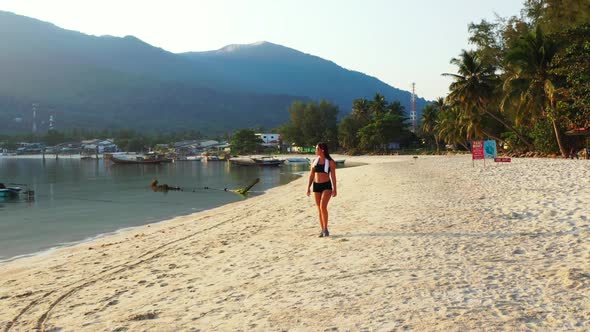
(79, 199)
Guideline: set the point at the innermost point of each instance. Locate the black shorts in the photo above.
(320, 187)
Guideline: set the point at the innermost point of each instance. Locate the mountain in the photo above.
(110, 82)
(272, 68)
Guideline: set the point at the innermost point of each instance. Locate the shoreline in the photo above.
(48, 251)
(124, 230)
(89, 239)
(110, 233)
(426, 244)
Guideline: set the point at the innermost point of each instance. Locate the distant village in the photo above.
(107, 146)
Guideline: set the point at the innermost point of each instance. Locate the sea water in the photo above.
(76, 200)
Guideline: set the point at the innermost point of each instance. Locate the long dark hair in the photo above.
(324, 147)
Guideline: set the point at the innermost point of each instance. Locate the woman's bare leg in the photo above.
(318, 200)
(326, 195)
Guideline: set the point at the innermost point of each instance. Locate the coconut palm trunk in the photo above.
(530, 146)
(493, 137)
(437, 145)
(558, 138)
(549, 90)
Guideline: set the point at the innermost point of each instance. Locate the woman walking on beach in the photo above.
(323, 176)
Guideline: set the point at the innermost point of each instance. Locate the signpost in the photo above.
(486, 150)
(477, 152)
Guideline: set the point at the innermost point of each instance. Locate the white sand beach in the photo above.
(426, 244)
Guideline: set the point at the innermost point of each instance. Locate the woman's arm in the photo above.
(333, 176)
(310, 180)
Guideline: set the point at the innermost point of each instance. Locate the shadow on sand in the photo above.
(574, 230)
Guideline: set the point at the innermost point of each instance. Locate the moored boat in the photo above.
(242, 161)
(138, 159)
(217, 158)
(10, 192)
(256, 161)
(189, 158)
(267, 161)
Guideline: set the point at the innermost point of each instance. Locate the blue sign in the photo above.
(489, 149)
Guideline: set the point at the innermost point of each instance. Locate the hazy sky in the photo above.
(399, 42)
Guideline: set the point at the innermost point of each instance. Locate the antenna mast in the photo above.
(35, 118)
(413, 112)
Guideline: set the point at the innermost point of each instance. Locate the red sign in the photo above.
(477, 150)
(502, 160)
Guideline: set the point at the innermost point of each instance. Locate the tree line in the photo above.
(125, 139)
(526, 83)
(371, 127)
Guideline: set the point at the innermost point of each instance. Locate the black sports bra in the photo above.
(320, 168)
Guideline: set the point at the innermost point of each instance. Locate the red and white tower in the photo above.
(35, 118)
(413, 111)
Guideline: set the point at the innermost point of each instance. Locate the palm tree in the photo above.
(378, 105)
(471, 127)
(428, 122)
(360, 108)
(450, 128)
(396, 108)
(528, 87)
(473, 89)
(440, 104)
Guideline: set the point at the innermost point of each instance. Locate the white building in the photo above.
(269, 139)
(101, 146)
